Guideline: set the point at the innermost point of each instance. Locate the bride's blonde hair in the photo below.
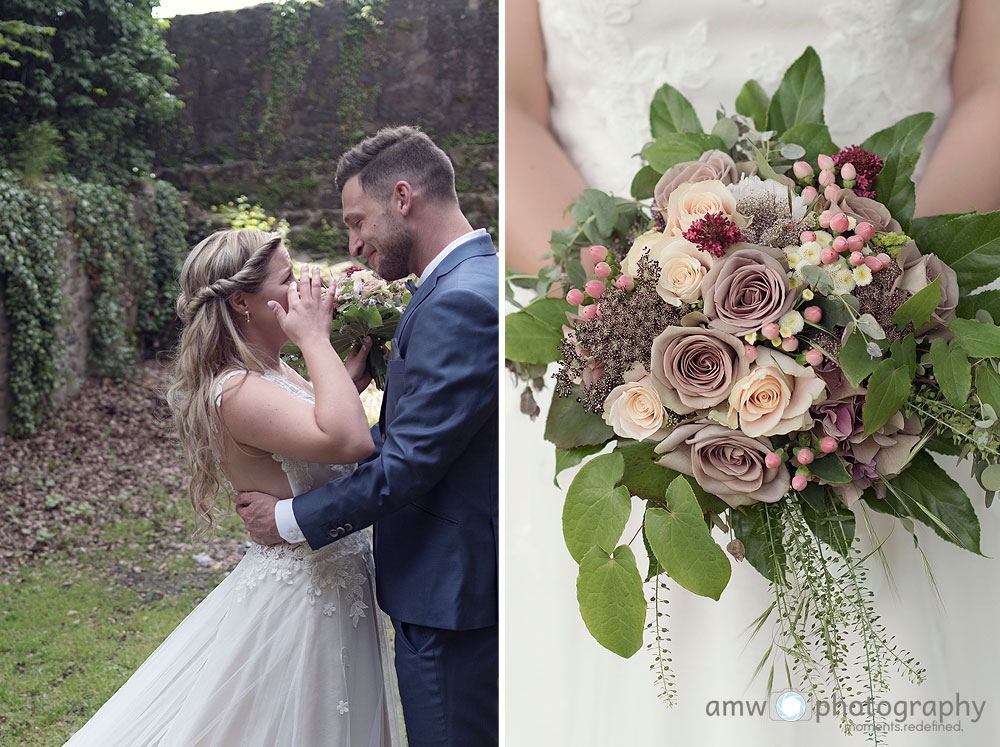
(213, 343)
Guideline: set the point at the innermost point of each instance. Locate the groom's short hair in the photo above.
(398, 153)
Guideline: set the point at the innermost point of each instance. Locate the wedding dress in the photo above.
(605, 58)
(290, 649)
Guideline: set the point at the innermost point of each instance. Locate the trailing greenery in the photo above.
(359, 51)
(129, 270)
(98, 71)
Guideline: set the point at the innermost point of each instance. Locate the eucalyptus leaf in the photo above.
(683, 543)
(873, 349)
(813, 138)
(595, 511)
(868, 324)
(990, 479)
(792, 151)
(609, 591)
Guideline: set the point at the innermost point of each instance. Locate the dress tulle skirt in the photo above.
(290, 649)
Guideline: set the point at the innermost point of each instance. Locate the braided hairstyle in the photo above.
(212, 343)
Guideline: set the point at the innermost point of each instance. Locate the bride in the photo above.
(290, 649)
(580, 75)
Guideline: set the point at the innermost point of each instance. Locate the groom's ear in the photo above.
(402, 197)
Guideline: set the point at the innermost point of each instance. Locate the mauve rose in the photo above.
(746, 289)
(726, 463)
(713, 164)
(919, 271)
(864, 209)
(697, 367)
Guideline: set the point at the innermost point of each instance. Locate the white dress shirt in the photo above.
(284, 518)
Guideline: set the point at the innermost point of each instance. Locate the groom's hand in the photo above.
(257, 511)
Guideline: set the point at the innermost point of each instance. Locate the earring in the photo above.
(248, 317)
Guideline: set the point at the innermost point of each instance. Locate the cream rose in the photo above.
(690, 202)
(775, 397)
(634, 409)
(683, 265)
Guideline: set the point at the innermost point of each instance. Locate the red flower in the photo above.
(868, 166)
(714, 234)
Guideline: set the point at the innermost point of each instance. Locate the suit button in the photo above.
(333, 532)
(348, 527)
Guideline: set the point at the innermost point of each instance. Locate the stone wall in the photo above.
(434, 63)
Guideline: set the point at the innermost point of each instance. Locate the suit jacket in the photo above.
(431, 489)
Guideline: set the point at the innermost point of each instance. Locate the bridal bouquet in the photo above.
(768, 344)
(365, 305)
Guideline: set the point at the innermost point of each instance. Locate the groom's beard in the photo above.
(393, 249)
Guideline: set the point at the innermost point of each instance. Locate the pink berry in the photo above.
(599, 312)
(848, 172)
(855, 243)
(813, 314)
(825, 162)
(574, 297)
(751, 352)
(865, 230)
(771, 330)
(802, 169)
(824, 218)
(829, 255)
(885, 259)
(598, 253)
(805, 456)
(828, 445)
(772, 461)
(873, 264)
(595, 288)
(602, 269)
(809, 194)
(588, 312)
(790, 344)
(807, 236)
(826, 178)
(839, 223)
(625, 281)
(799, 482)
(814, 357)
(857, 258)
(840, 244)
(831, 192)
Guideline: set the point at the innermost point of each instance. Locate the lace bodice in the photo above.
(605, 59)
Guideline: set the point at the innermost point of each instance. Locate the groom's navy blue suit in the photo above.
(431, 492)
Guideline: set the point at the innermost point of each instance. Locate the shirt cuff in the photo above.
(284, 518)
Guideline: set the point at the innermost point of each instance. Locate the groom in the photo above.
(431, 487)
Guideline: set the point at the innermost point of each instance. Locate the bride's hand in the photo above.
(310, 309)
(357, 365)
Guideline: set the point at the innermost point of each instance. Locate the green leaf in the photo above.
(609, 591)
(569, 458)
(603, 207)
(952, 371)
(761, 536)
(812, 136)
(654, 568)
(927, 490)
(987, 300)
(679, 147)
(979, 340)
(988, 386)
(683, 543)
(906, 137)
(549, 311)
(372, 316)
(829, 520)
(645, 182)
(595, 511)
(888, 390)
(671, 112)
(753, 102)
(528, 340)
(905, 351)
(855, 362)
(830, 469)
(899, 146)
(643, 477)
(569, 424)
(799, 98)
(969, 244)
(918, 307)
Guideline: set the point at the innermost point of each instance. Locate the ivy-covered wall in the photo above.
(87, 281)
(292, 80)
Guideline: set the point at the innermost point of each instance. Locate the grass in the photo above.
(76, 622)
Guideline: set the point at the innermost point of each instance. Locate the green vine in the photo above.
(359, 51)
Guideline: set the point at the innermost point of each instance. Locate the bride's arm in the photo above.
(964, 172)
(258, 413)
(541, 182)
